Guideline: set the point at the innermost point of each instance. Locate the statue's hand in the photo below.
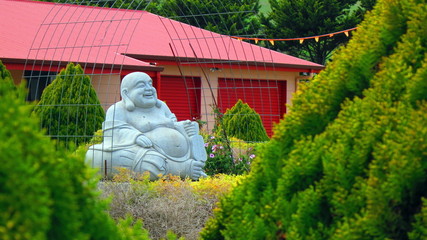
(143, 141)
(197, 170)
(189, 128)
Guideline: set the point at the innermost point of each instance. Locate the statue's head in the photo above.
(137, 91)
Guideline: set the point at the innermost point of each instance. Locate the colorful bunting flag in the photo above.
(301, 40)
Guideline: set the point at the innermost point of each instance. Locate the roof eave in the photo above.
(57, 65)
(223, 63)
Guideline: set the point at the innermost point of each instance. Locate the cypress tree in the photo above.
(349, 161)
(69, 108)
(243, 122)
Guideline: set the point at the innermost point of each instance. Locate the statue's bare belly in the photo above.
(169, 140)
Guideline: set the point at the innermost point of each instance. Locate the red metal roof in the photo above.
(71, 33)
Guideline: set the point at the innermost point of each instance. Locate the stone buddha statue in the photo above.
(142, 134)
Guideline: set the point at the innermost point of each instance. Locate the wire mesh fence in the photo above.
(199, 70)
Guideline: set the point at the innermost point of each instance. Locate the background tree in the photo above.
(122, 4)
(69, 108)
(349, 160)
(234, 17)
(304, 18)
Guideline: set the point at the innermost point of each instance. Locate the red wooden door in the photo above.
(181, 94)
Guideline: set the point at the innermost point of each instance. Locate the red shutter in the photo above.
(182, 95)
(266, 97)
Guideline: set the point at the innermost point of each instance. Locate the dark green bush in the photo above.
(242, 122)
(349, 161)
(46, 192)
(69, 108)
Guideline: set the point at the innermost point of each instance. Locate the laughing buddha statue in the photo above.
(142, 134)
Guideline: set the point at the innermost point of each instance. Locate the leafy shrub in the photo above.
(167, 205)
(229, 156)
(349, 161)
(69, 108)
(242, 122)
(227, 153)
(46, 192)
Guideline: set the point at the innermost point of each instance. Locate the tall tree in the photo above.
(304, 18)
(123, 4)
(233, 17)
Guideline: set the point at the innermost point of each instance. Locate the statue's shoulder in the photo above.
(162, 105)
(164, 109)
(116, 111)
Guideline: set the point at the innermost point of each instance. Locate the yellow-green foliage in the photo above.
(97, 138)
(349, 161)
(215, 185)
(46, 192)
(240, 146)
(241, 121)
(211, 187)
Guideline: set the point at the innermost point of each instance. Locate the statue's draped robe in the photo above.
(173, 148)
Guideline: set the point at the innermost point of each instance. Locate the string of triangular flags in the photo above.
(300, 39)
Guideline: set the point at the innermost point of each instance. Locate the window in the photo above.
(37, 81)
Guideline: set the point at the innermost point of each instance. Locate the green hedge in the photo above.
(46, 192)
(349, 161)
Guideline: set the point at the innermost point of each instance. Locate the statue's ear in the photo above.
(130, 106)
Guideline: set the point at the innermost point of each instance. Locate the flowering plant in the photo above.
(229, 156)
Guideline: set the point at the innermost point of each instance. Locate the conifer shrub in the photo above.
(243, 122)
(349, 161)
(69, 108)
(47, 192)
(6, 76)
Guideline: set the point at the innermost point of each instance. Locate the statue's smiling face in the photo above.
(143, 94)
